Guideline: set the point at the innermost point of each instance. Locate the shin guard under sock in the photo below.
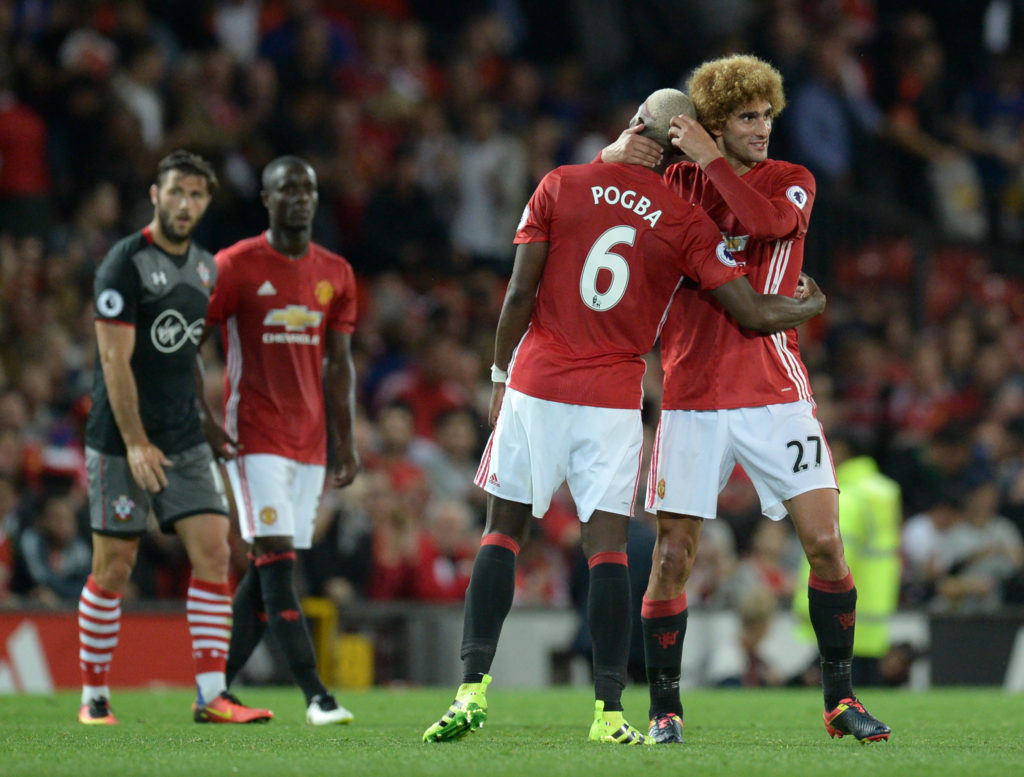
(286, 621)
(608, 615)
(833, 612)
(664, 626)
(488, 600)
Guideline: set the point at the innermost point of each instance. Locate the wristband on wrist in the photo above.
(498, 375)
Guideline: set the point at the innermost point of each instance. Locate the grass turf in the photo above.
(529, 733)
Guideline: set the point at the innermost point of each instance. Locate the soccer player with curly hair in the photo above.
(732, 397)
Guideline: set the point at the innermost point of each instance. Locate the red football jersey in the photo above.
(274, 313)
(710, 362)
(619, 243)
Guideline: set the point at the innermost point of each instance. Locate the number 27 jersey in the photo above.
(619, 243)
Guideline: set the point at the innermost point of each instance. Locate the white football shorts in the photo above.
(537, 445)
(782, 449)
(275, 496)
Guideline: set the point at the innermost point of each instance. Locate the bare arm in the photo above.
(770, 312)
(224, 446)
(632, 149)
(116, 343)
(520, 297)
(340, 386)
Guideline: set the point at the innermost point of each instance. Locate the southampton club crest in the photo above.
(123, 507)
(204, 274)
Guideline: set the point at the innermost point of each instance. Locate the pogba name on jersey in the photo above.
(629, 199)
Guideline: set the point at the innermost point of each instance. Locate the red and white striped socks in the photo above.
(209, 623)
(99, 621)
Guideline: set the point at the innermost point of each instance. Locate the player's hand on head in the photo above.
(687, 135)
(147, 463)
(632, 149)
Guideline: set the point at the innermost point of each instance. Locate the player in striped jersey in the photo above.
(733, 396)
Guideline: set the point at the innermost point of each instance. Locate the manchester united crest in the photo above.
(661, 488)
(268, 515)
(324, 292)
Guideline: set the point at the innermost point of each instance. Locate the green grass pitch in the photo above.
(529, 734)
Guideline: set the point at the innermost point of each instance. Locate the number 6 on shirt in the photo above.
(601, 258)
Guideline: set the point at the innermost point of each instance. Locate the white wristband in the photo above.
(498, 375)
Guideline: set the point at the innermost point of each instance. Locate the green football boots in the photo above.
(467, 713)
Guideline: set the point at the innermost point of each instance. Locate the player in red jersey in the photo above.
(601, 251)
(283, 303)
(732, 397)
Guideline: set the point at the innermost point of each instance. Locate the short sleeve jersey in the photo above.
(274, 313)
(710, 362)
(164, 297)
(619, 243)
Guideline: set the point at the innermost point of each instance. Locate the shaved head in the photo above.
(284, 162)
(657, 111)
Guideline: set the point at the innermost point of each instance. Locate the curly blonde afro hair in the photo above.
(719, 87)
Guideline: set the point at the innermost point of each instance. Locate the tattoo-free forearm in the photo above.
(123, 393)
(340, 388)
(512, 324)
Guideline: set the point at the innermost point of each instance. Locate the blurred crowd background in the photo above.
(429, 123)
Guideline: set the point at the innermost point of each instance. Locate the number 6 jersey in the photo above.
(620, 243)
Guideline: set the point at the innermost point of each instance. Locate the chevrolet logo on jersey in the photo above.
(293, 318)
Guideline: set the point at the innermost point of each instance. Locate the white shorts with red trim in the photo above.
(782, 449)
(275, 496)
(537, 445)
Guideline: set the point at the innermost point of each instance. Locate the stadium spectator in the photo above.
(56, 557)
(9, 498)
(137, 86)
(978, 555)
(450, 461)
(445, 558)
(416, 243)
(492, 181)
(25, 184)
(339, 563)
(940, 461)
(920, 540)
(431, 386)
